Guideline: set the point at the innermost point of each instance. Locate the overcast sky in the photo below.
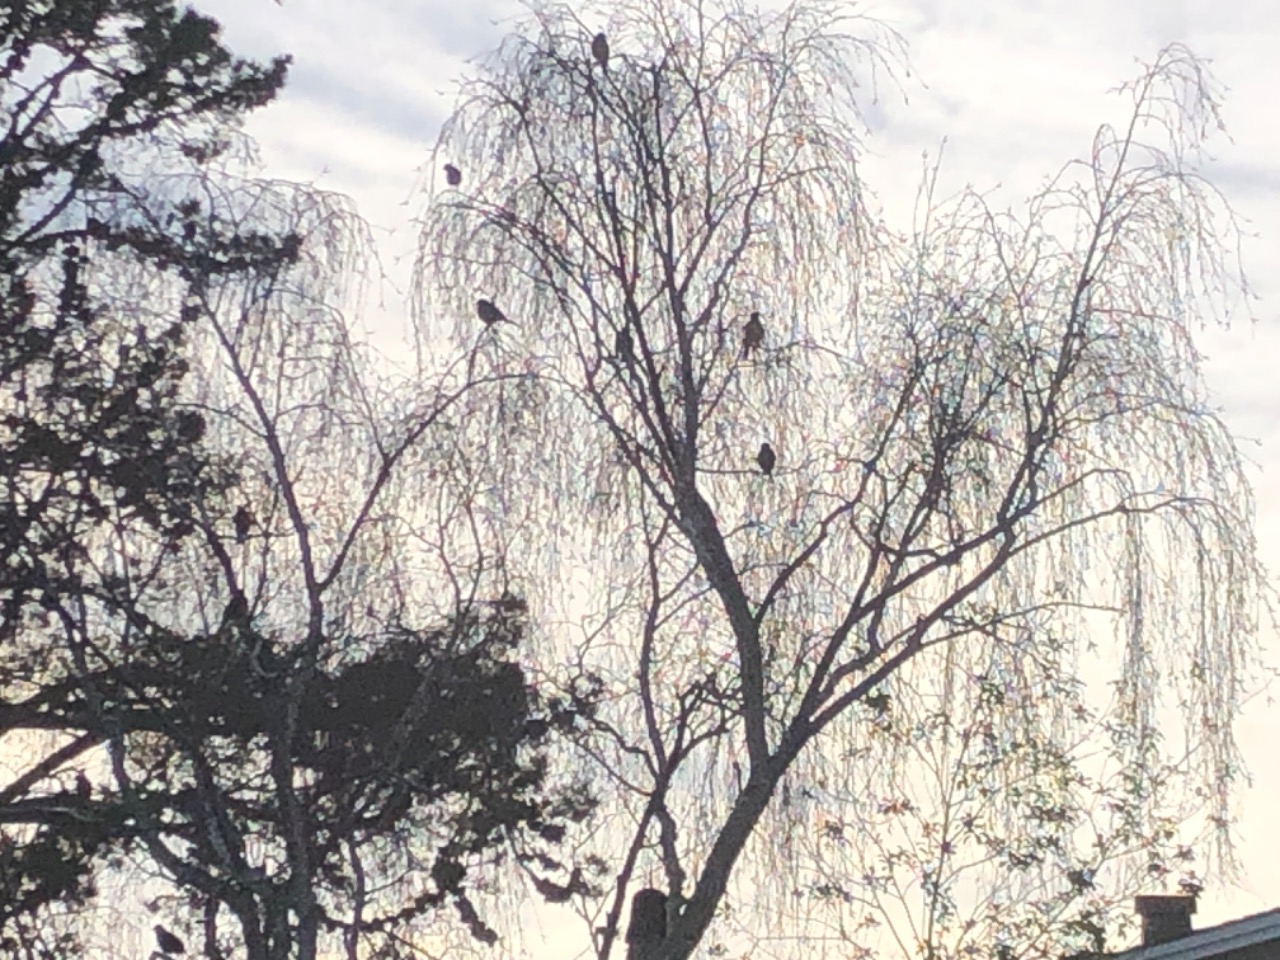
(1017, 87)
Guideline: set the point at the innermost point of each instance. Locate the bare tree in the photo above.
(998, 501)
(371, 621)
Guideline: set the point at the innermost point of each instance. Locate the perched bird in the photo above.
(489, 312)
(624, 347)
(600, 50)
(168, 942)
(766, 458)
(84, 789)
(242, 520)
(237, 609)
(752, 335)
(452, 175)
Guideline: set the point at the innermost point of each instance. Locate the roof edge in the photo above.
(1201, 944)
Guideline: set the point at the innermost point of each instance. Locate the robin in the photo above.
(752, 335)
(624, 347)
(600, 50)
(243, 521)
(766, 458)
(489, 312)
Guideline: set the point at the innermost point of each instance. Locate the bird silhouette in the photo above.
(84, 789)
(752, 335)
(168, 942)
(624, 347)
(489, 312)
(452, 175)
(237, 609)
(766, 458)
(600, 50)
(242, 520)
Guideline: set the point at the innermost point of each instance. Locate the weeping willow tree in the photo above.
(918, 567)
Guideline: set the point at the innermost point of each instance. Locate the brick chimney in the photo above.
(1165, 917)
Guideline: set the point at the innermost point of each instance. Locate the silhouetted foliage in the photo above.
(306, 740)
(93, 442)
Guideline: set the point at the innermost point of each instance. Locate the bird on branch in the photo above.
(452, 175)
(237, 610)
(84, 789)
(243, 521)
(752, 335)
(624, 348)
(489, 313)
(168, 942)
(600, 50)
(766, 458)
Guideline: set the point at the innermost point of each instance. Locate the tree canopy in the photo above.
(733, 569)
(247, 688)
(903, 554)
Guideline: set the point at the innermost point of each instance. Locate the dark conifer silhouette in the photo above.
(124, 450)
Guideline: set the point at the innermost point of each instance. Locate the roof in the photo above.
(1212, 941)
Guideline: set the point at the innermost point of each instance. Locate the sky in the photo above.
(1014, 87)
